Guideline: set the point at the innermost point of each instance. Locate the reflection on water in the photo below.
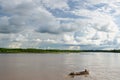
(102, 66)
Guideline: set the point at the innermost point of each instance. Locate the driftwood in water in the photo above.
(86, 72)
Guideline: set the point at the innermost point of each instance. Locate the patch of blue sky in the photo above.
(73, 4)
(76, 4)
(100, 5)
(117, 20)
(96, 6)
(91, 7)
(65, 14)
(112, 11)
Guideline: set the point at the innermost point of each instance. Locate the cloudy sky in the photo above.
(60, 24)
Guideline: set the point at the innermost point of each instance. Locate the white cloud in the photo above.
(9, 26)
(50, 41)
(102, 1)
(56, 4)
(68, 39)
(98, 28)
(28, 13)
(15, 45)
(74, 48)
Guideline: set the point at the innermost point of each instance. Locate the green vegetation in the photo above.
(30, 50)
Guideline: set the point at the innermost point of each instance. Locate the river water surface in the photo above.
(102, 66)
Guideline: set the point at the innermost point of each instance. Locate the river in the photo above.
(101, 66)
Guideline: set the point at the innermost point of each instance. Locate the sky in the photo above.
(60, 24)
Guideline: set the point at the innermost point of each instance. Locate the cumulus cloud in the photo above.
(33, 13)
(68, 39)
(9, 25)
(98, 29)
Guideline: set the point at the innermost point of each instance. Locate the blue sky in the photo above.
(60, 24)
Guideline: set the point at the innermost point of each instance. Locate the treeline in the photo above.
(31, 50)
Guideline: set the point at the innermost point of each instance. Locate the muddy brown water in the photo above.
(102, 66)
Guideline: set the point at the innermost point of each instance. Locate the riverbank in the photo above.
(30, 50)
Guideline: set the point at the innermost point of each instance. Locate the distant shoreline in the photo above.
(32, 50)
